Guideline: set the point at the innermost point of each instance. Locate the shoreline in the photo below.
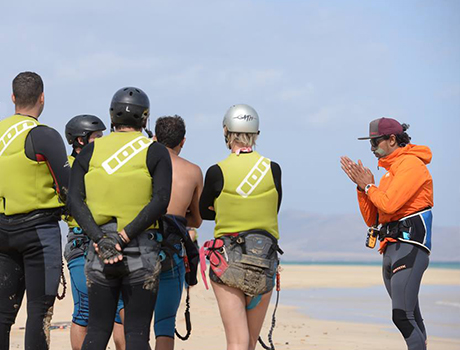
(294, 330)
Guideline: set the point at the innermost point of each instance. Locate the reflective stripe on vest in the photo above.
(25, 184)
(118, 183)
(249, 199)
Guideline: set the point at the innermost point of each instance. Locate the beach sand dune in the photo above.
(294, 330)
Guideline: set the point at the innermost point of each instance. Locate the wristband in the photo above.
(366, 189)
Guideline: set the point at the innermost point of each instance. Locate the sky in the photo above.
(317, 72)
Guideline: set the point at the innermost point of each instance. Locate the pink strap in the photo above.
(203, 265)
(244, 150)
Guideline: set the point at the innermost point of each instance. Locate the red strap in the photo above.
(278, 281)
(186, 264)
(40, 157)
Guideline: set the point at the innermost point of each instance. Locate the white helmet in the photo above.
(242, 119)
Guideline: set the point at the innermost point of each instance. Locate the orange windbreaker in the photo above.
(405, 189)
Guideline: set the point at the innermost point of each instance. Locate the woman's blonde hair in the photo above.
(245, 139)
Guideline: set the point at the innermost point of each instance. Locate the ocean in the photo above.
(433, 264)
(440, 304)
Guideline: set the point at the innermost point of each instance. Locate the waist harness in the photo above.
(77, 244)
(18, 222)
(177, 240)
(247, 261)
(415, 229)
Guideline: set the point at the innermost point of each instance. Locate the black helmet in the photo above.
(129, 106)
(82, 126)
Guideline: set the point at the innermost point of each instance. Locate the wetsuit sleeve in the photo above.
(77, 194)
(160, 168)
(45, 144)
(409, 177)
(213, 185)
(276, 171)
(367, 208)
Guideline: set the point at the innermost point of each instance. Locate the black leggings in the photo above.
(403, 268)
(30, 260)
(139, 306)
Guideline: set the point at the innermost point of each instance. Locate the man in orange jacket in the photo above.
(401, 204)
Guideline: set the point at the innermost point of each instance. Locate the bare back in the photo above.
(186, 190)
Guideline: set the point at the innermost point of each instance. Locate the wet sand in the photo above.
(294, 330)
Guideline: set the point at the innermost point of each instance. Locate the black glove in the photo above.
(107, 243)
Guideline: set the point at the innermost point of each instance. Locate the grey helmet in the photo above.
(82, 126)
(241, 118)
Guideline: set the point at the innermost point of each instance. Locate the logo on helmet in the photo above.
(127, 109)
(245, 117)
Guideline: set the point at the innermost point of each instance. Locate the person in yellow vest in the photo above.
(34, 174)
(80, 131)
(120, 186)
(242, 194)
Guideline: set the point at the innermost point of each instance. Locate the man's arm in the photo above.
(193, 214)
(160, 168)
(213, 185)
(411, 174)
(77, 195)
(276, 171)
(45, 144)
(367, 208)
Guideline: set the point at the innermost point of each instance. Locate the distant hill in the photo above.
(312, 237)
(315, 238)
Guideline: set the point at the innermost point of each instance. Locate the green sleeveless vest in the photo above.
(118, 183)
(249, 199)
(25, 184)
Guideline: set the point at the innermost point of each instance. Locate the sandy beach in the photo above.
(295, 329)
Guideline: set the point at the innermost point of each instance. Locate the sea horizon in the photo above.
(433, 264)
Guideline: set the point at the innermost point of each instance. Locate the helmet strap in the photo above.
(148, 132)
(77, 144)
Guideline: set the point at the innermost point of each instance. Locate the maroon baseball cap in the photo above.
(383, 126)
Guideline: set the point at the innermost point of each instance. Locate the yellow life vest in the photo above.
(249, 199)
(25, 184)
(118, 183)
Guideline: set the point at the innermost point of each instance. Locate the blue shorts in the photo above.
(168, 299)
(80, 293)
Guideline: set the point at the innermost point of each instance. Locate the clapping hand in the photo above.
(357, 173)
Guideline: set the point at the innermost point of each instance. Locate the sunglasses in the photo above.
(375, 142)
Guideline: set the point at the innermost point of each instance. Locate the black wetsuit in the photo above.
(130, 277)
(30, 249)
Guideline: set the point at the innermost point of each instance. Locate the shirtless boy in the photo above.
(183, 211)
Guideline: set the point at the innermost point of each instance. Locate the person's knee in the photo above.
(8, 315)
(402, 321)
(41, 307)
(165, 327)
(164, 343)
(119, 338)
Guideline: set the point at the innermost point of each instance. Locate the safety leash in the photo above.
(188, 323)
(63, 282)
(270, 333)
